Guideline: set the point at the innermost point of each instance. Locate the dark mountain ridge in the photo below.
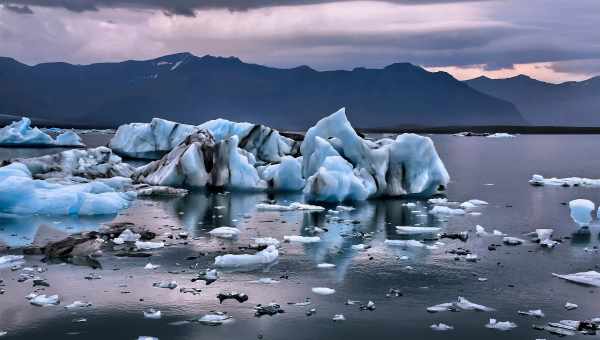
(192, 89)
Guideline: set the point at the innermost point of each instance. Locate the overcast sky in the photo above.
(552, 40)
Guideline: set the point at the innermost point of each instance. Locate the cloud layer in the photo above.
(552, 39)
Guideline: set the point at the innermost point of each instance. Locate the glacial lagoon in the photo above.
(518, 278)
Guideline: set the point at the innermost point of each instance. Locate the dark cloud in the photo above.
(581, 66)
(20, 9)
(188, 7)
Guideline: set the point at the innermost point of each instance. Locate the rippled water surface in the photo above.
(494, 170)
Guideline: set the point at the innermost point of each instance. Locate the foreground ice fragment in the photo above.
(405, 243)
(78, 304)
(301, 239)
(151, 266)
(339, 317)
(43, 300)
(500, 325)
(570, 306)
(581, 211)
(20, 194)
(141, 245)
(443, 210)
(409, 230)
(10, 258)
(441, 327)
(325, 265)
(265, 280)
(266, 256)
(323, 291)
(512, 241)
(591, 278)
(126, 236)
(266, 241)
(293, 206)
(534, 312)
(461, 303)
(539, 180)
(215, 319)
(152, 314)
(225, 232)
(165, 284)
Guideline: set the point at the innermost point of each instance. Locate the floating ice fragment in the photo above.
(143, 337)
(323, 290)
(534, 312)
(151, 266)
(359, 247)
(293, 206)
(165, 284)
(266, 241)
(591, 278)
(325, 265)
(43, 300)
(302, 239)
(339, 317)
(441, 327)
(266, 256)
(78, 304)
(152, 314)
(570, 306)
(215, 319)
(443, 210)
(460, 303)
(500, 325)
(405, 243)
(437, 200)
(126, 236)
(539, 180)
(225, 232)
(148, 245)
(500, 135)
(581, 211)
(408, 230)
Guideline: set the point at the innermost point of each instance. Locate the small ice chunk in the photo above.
(405, 243)
(345, 208)
(409, 230)
(500, 325)
(302, 239)
(266, 241)
(465, 304)
(143, 337)
(126, 236)
(151, 266)
(165, 284)
(359, 247)
(293, 206)
(500, 135)
(325, 265)
(215, 319)
(591, 278)
(152, 314)
(533, 312)
(339, 317)
(323, 290)
(438, 200)
(43, 300)
(570, 306)
(78, 304)
(225, 232)
(441, 327)
(148, 245)
(266, 256)
(581, 211)
(443, 210)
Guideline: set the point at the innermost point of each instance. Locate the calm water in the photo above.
(519, 278)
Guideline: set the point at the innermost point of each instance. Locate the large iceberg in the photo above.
(98, 162)
(20, 194)
(20, 133)
(155, 139)
(407, 165)
(335, 165)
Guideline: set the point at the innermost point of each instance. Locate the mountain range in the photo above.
(567, 104)
(193, 89)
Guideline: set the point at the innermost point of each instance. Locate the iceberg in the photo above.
(94, 163)
(581, 211)
(20, 133)
(20, 194)
(266, 256)
(153, 140)
(407, 165)
(284, 176)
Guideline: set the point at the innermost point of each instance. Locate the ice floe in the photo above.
(410, 230)
(460, 304)
(443, 210)
(266, 256)
(20, 133)
(441, 327)
(225, 232)
(590, 278)
(500, 325)
(42, 300)
(20, 194)
(539, 180)
(301, 239)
